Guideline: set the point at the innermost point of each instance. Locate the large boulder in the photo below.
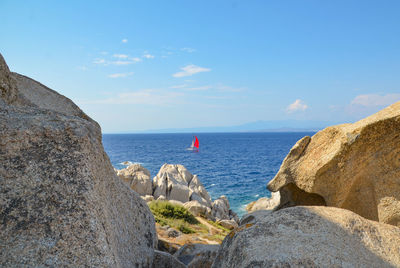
(8, 87)
(265, 203)
(198, 209)
(172, 182)
(175, 182)
(220, 208)
(138, 178)
(197, 255)
(228, 224)
(351, 166)
(198, 192)
(165, 260)
(310, 237)
(61, 203)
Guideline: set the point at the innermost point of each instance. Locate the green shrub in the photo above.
(167, 210)
(185, 230)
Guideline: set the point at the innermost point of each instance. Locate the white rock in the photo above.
(176, 202)
(197, 209)
(220, 208)
(148, 198)
(197, 187)
(138, 179)
(265, 203)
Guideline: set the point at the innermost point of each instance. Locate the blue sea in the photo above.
(238, 165)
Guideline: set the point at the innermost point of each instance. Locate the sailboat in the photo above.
(195, 144)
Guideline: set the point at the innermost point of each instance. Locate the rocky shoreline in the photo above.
(177, 185)
(63, 205)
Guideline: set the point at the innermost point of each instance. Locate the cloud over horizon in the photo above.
(120, 75)
(145, 97)
(371, 100)
(120, 56)
(148, 56)
(190, 70)
(297, 105)
(188, 49)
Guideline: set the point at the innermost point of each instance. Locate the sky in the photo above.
(143, 65)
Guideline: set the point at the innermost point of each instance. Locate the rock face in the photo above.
(198, 209)
(61, 203)
(175, 182)
(177, 185)
(197, 255)
(351, 166)
(228, 224)
(8, 87)
(138, 178)
(265, 203)
(166, 260)
(310, 237)
(221, 210)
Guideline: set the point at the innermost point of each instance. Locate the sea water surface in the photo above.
(238, 165)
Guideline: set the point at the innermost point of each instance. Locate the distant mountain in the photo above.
(257, 126)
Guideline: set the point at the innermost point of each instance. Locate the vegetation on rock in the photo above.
(178, 217)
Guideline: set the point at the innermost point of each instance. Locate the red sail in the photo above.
(196, 142)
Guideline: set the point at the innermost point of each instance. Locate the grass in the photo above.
(218, 226)
(175, 216)
(178, 217)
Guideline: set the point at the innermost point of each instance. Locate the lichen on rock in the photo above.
(61, 203)
(351, 166)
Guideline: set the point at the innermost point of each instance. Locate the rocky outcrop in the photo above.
(221, 209)
(61, 203)
(310, 237)
(177, 185)
(265, 203)
(198, 192)
(138, 179)
(197, 255)
(175, 182)
(166, 260)
(198, 209)
(8, 87)
(351, 166)
(228, 224)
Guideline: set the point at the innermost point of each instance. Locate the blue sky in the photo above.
(137, 65)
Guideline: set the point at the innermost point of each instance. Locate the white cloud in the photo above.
(179, 86)
(222, 87)
(145, 96)
(188, 49)
(371, 100)
(136, 59)
(190, 70)
(121, 59)
(120, 75)
(99, 61)
(124, 40)
(201, 88)
(121, 62)
(297, 105)
(120, 56)
(148, 56)
(217, 87)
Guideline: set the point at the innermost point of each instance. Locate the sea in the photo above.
(237, 165)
